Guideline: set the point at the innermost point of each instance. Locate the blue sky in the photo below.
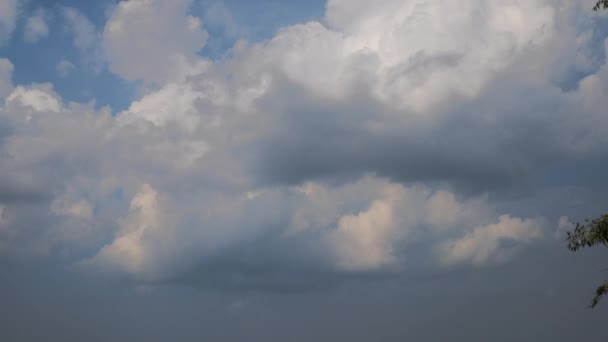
(339, 170)
(37, 62)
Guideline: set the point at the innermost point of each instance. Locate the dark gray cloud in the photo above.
(508, 135)
(13, 192)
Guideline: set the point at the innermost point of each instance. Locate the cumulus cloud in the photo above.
(167, 39)
(467, 94)
(36, 27)
(174, 103)
(387, 44)
(35, 99)
(160, 231)
(128, 251)
(444, 210)
(338, 147)
(362, 241)
(491, 243)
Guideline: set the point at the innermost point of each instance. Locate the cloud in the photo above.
(6, 75)
(467, 93)
(69, 206)
(386, 46)
(86, 38)
(42, 140)
(362, 241)
(129, 251)
(174, 103)
(167, 37)
(218, 15)
(493, 242)
(563, 225)
(359, 145)
(9, 10)
(161, 237)
(36, 27)
(64, 67)
(444, 210)
(36, 99)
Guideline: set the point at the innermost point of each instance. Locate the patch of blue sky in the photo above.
(54, 58)
(595, 54)
(227, 21)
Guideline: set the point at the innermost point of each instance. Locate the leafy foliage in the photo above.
(589, 234)
(594, 232)
(601, 4)
(599, 292)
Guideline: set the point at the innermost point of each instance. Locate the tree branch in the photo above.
(602, 4)
(599, 292)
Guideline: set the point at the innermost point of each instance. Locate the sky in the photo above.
(340, 170)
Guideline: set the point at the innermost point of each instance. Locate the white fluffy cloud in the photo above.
(152, 40)
(412, 54)
(174, 103)
(36, 99)
(36, 27)
(342, 144)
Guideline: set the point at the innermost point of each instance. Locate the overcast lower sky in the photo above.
(348, 170)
